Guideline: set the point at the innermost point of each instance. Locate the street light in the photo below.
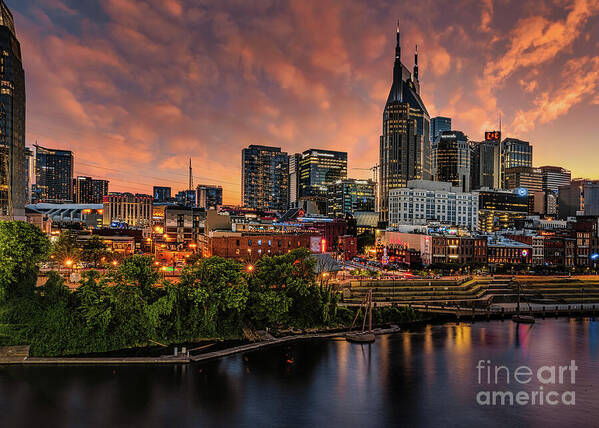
(115, 263)
(250, 268)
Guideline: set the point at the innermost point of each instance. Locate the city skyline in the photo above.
(135, 99)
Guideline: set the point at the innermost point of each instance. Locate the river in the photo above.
(424, 378)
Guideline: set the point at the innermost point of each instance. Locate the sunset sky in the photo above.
(137, 87)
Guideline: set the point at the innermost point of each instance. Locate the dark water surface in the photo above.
(425, 378)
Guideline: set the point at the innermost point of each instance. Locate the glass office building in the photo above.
(53, 175)
(405, 147)
(13, 177)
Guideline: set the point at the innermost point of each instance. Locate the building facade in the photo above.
(264, 178)
(53, 175)
(431, 201)
(317, 169)
(451, 159)
(87, 190)
(498, 209)
(524, 177)
(514, 153)
(209, 197)
(438, 125)
(12, 120)
(350, 195)
(294, 175)
(581, 197)
(162, 194)
(405, 147)
(127, 210)
(555, 177)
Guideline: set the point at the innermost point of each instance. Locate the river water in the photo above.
(424, 378)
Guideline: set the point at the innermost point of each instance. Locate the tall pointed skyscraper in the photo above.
(405, 150)
(12, 120)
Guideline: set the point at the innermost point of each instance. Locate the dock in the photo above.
(279, 341)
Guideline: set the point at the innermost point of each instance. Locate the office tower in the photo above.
(438, 125)
(422, 201)
(499, 209)
(350, 195)
(485, 164)
(514, 153)
(209, 197)
(12, 120)
(87, 190)
(127, 209)
(525, 177)
(318, 169)
(294, 183)
(451, 159)
(162, 193)
(405, 147)
(581, 197)
(264, 178)
(554, 177)
(53, 175)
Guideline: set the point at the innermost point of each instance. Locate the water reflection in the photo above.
(423, 377)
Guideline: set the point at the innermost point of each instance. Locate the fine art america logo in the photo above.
(526, 386)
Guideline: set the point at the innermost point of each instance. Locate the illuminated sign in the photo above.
(522, 191)
(524, 253)
(492, 136)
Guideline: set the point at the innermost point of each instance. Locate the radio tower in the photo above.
(190, 176)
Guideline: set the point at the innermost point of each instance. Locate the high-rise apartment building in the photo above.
(264, 178)
(438, 125)
(451, 159)
(294, 175)
(53, 175)
(12, 120)
(209, 197)
(87, 190)
(514, 153)
(405, 147)
(350, 195)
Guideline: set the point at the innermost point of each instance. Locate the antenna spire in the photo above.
(416, 63)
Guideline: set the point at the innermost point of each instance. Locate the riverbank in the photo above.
(183, 358)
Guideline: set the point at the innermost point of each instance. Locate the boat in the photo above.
(518, 317)
(364, 336)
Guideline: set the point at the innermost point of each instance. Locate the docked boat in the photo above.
(364, 336)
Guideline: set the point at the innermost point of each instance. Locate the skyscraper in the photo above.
(12, 120)
(438, 125)
(514, 153)
(350, 195)
(581, 197)
(53, 175)
(451, 159)
(264, 178)
(554, 177)
(87, 190)
(317, 169)
(485, 165)
(405, 148)
(294, 184)
(524, 177)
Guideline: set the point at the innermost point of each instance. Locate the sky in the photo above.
(137, 87)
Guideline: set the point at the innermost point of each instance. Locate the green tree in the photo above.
(66, 248)
(22, 247)
(94, 250)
